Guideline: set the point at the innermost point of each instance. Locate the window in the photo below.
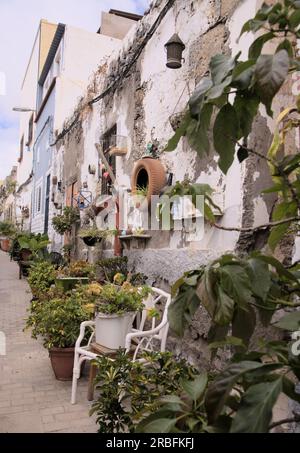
(21, 149)
(30, 131)
(108, 140)
(57, 63)
(46, 85)
(38, 155)
(38, 200)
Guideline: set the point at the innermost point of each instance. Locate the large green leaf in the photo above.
(277, 265)
(220, 65)
(182, 308)
(294, 19)
(197, 131)
(288, 388)
(196, 387)
(206, 291)
(236, 283)
(246, 109)
(224, 309)
(242, 74)
(270, 73)
(260, 277)
(255, 412)
(256, 47)
(197, 98)
(225, 133)
(180, 132)
(243, 324)
(160, 425)
(289, 322)
(277, 233)
(220, 388)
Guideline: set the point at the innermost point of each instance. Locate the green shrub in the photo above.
(128, 391)
(57, 320)
(41, 276)
(63, 223)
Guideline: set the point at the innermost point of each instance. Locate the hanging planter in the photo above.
(149, 177)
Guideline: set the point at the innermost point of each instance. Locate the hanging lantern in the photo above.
(174, 48)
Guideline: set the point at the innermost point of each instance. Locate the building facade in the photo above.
(28, 99)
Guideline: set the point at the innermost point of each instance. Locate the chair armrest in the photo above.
(83, 326)
(143, 334)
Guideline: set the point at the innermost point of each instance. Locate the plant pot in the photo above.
(91, 241)
(148, 173)
(68, 283)
(5, 245)
(62, 361)
(25, 254)
(111, 330)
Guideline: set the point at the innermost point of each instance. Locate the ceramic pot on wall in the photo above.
(148, 173)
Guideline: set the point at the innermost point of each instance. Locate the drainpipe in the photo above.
(117, 242)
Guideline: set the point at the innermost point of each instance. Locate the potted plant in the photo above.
(63, 223)
(91, 236)
(41, 277)
(57, 320)
(32, 246)
(7, 230)
(78, 272)
(116, 305)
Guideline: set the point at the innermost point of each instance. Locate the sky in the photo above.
(19, 21)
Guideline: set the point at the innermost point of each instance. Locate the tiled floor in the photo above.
(31, 399)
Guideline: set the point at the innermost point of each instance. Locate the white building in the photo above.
(73, 56)
(27, 105)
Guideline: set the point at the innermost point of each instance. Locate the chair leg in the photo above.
(76, 375)
(92, 375)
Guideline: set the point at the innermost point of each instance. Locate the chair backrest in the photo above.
(155, 301)
(159, 325)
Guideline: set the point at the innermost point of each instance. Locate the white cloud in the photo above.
(19, 20)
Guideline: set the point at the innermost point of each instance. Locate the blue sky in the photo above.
(19, 20)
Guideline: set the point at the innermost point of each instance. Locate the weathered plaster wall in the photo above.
(141, 105)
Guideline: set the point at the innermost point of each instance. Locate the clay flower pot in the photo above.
(148, 173)
(62, 360)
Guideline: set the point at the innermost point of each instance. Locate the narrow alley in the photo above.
(31, 399)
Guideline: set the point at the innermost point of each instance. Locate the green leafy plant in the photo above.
(57, 320)
(7, 228)
(78, 269)
(36, 244)
(63, 223)
(94, 233)
(120, 299)
(41, 276)
(254, 81)
(128, 390)
(186, 188)
(108, 267)
(238, 291)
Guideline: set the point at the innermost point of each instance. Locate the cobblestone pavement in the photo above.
(31, 399)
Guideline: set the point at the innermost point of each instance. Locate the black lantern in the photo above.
(174, 48)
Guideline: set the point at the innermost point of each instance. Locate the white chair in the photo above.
(143, 340)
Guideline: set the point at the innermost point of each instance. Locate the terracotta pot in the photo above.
(149, 173)
(25, 254)
(62, 360)
(5, 245)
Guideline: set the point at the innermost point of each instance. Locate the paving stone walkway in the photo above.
(31, 399)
